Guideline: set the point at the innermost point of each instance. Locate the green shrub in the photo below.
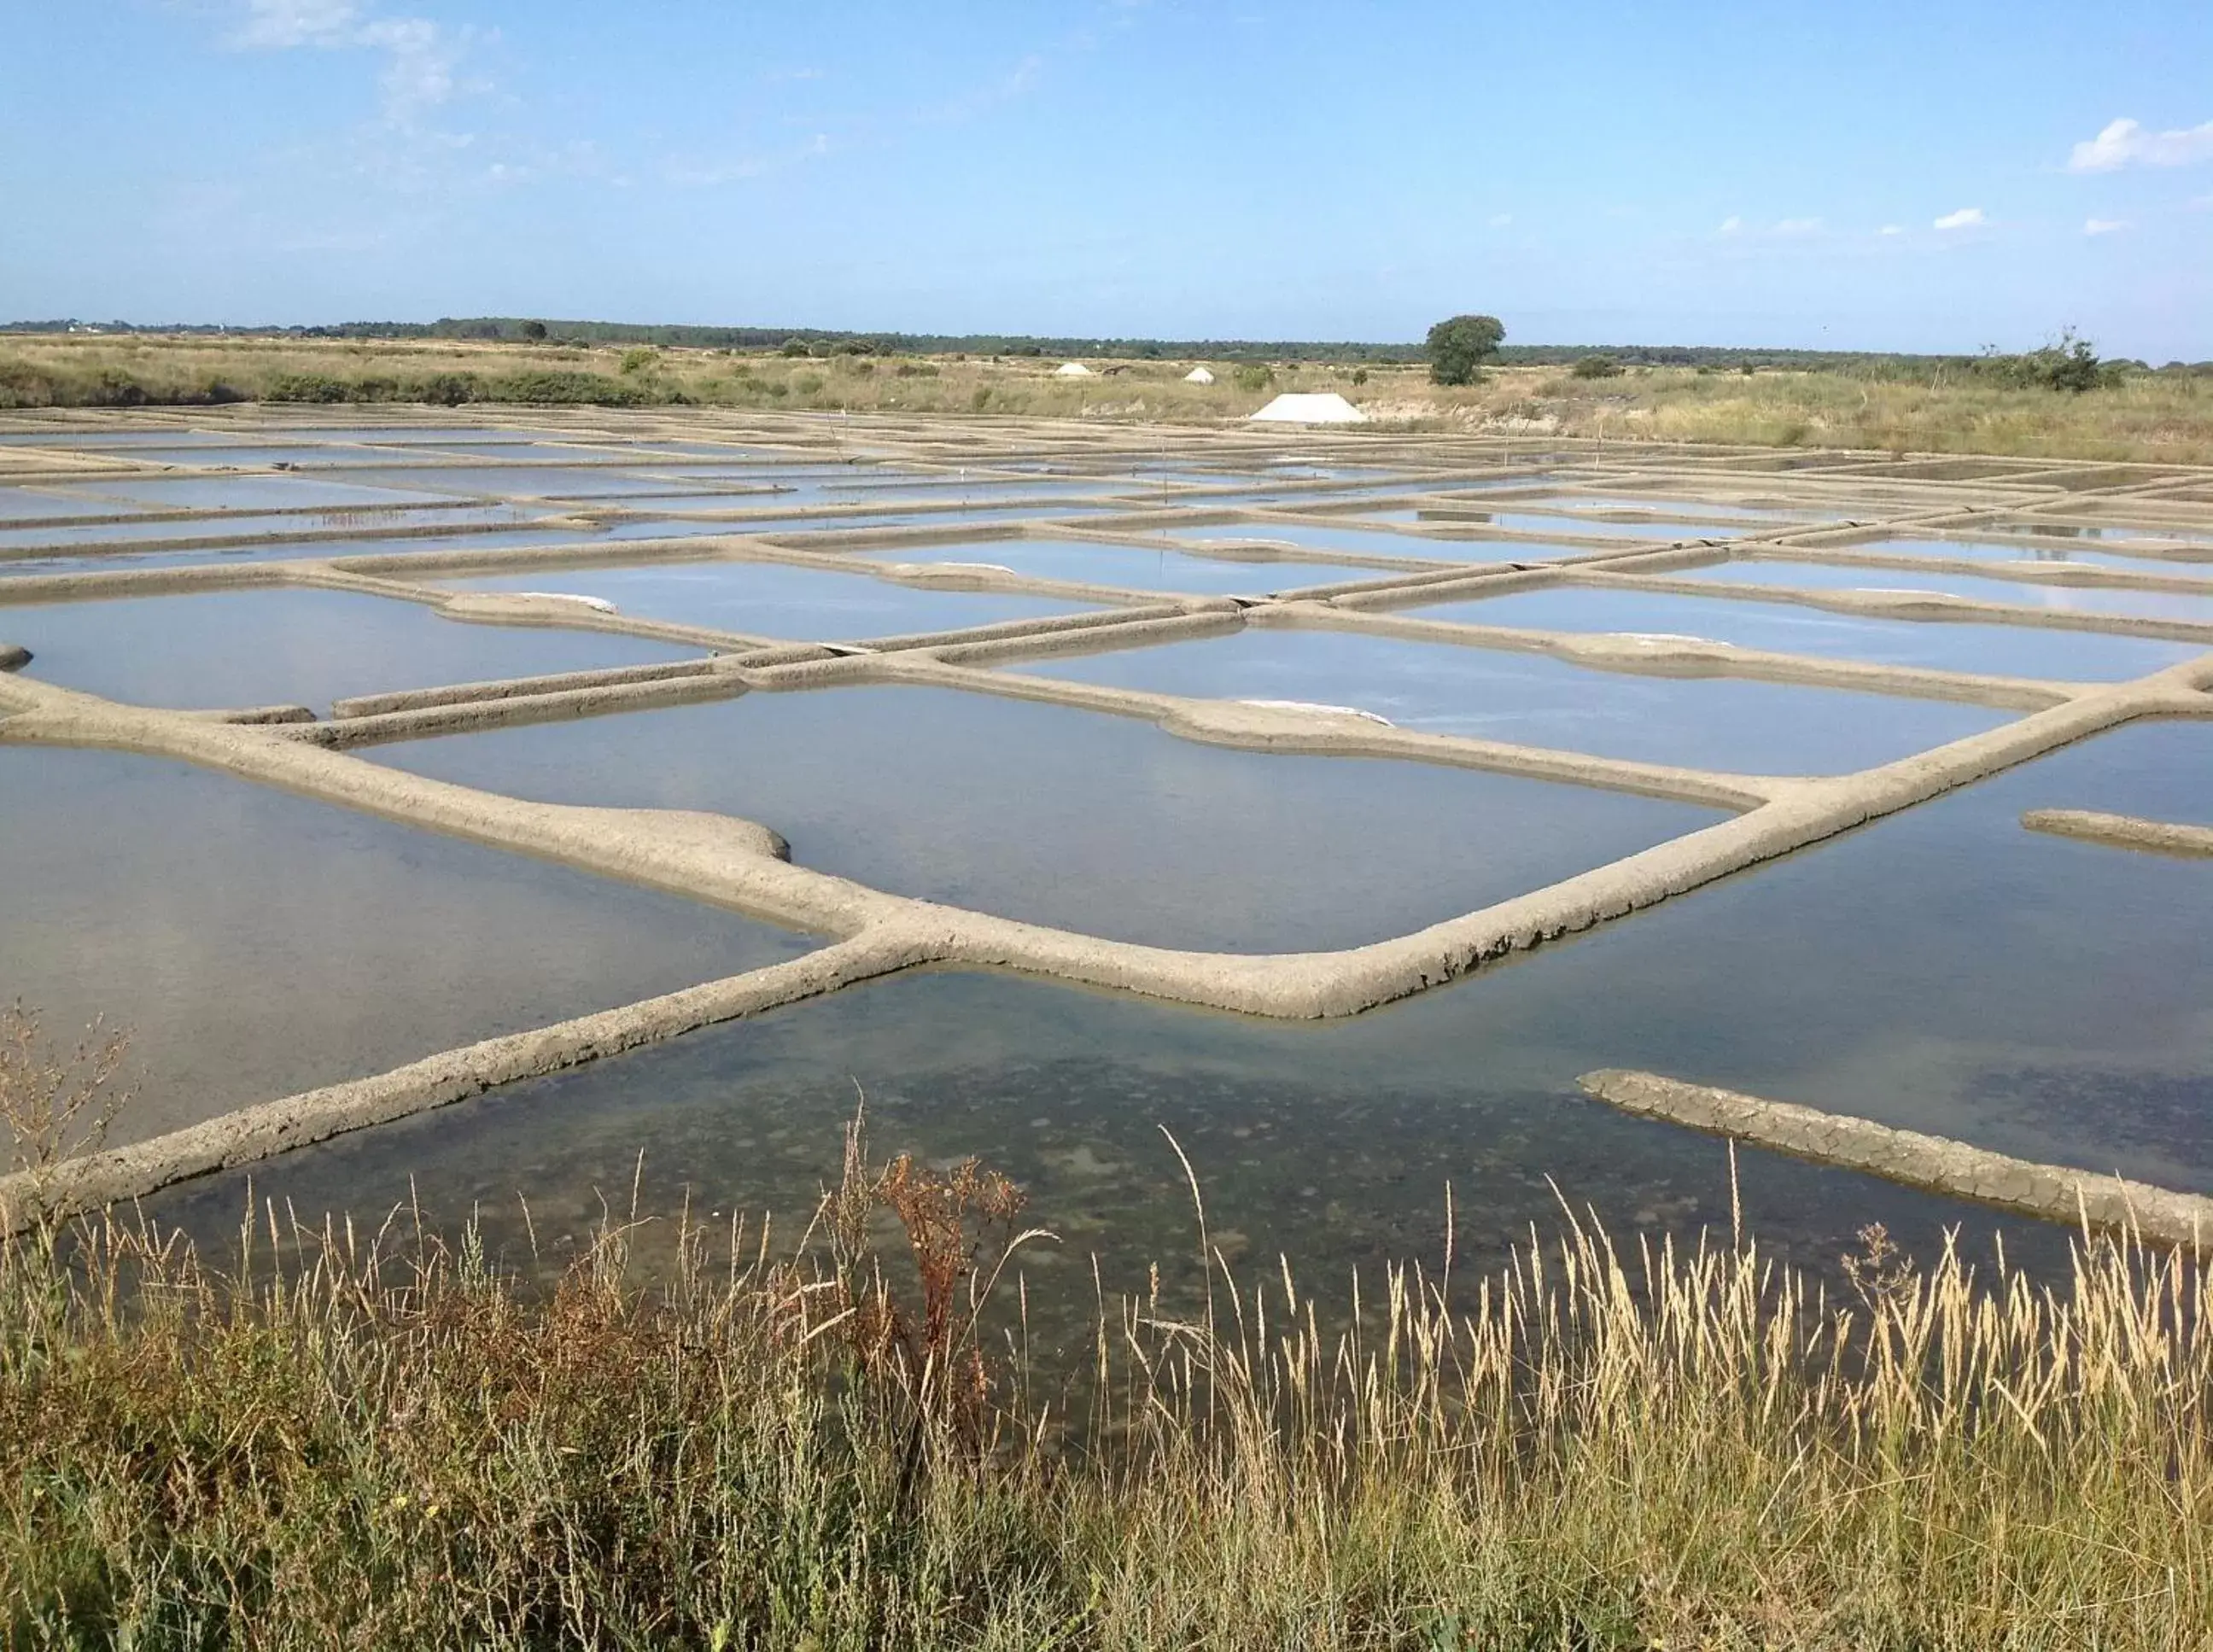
(559, 389)
(796, 347)
(22, 384)
(641, 359)
(448, 389)
(307, 387)
(112, 387)
(1254, 376)
(805, 384)
(980, 401)
(916, 370)
(1595, 367)
(1359, 375)
(1459, 346)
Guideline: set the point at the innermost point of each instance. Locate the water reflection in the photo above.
(1079, 819)
(1946, 645)
(254, 944)
(1703, 722)
(226, 649)
(765, 599)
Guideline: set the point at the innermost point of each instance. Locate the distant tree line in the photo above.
(2067, 363)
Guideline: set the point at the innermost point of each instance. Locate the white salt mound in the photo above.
(1072, 370)
(1199, 375)
(1326, 407)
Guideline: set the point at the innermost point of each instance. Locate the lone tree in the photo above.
(1458, 347)
(533, 331)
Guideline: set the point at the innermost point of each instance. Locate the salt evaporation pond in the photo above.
(2021, 552)
(2059, 599)
(1716, 722)
(1944, 645)
(1132, 567)
(252, 943)
(1076, 819)
(2029, 994)
(767, 599)
(231, 649)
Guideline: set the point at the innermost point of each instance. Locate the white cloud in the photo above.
(1967, 218)
(421, 57)
(2127, 143)
(2104, 226)
(276, 25)
(1730, 225)
(1799, 227)
(1892, 229)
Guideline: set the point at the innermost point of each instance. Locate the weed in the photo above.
(372, 1439)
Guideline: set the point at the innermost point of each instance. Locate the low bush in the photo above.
(1595, 367)
(310, 387)
(550, 388)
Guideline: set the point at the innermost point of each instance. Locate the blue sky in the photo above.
(1934, 175)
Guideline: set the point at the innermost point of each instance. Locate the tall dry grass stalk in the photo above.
(372, 1438)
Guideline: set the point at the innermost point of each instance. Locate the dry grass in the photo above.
(2146, 418)
(384, 1442)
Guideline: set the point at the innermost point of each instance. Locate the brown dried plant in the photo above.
(56, 1103)
(1879, 1269)
(960, 1230)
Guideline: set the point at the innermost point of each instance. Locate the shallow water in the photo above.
(2062, 599)
(1134, 568)
(1691, 511)
(521, 480)
(1715, 723)
(1662, 529)
(1990, 550)
(218, 452)
(766, 598)
(283, 550)
(253, 944)
(2001, 650)
(1044, 510)
(21, 504)
(2093, 533)
(1316, 537)
(368, 524)
(228, 649)
(1076, 819)
(247, 494)
(2025, 993)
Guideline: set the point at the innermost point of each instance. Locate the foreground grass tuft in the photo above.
(379, 1440)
